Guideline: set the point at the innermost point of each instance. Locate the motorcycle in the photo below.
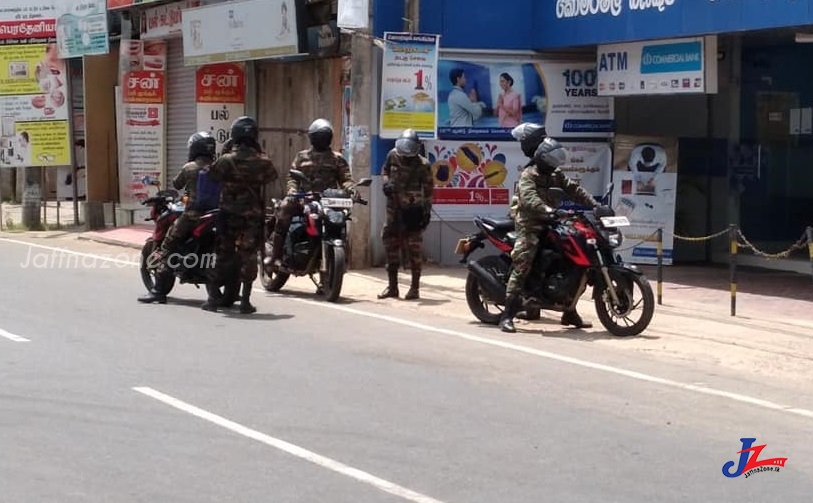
(576, 251)
(315, 242)
(194, 258)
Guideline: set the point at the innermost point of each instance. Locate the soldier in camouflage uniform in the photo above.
(532, 211)
(408, 186)
(244, 173)
(201, 155)
(324, 169)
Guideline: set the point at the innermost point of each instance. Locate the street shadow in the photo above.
(583, 335)
(233, 313)
(310, 296)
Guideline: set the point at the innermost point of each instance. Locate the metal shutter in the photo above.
(181, 107)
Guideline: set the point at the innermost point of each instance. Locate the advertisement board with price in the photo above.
(408, 92)
(484, 99)
(220, 92)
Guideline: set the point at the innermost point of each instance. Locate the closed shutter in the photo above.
(181, 108)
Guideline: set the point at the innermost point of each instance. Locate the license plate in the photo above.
(337, 202)
(460, 249)
(615, 221)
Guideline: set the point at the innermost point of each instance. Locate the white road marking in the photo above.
(510, 346)
(72, 252)
(562, 358)
(12, 337)
(294, 450)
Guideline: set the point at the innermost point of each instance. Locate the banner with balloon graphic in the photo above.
(479, 178)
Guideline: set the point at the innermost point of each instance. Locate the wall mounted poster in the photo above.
(484, 100)
(645, 178)
(479, 178)
(220, 94)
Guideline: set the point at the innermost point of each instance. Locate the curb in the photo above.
(108, 241)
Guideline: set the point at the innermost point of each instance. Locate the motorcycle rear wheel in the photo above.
(610, 316)
(148, 275)
(271, 281)
(478, 304)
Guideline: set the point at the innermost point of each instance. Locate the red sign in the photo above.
(220, 83)
(120, 4)
(143, 87)
(27, 29)
(470, 196)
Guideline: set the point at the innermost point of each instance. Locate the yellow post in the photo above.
(732, 266)
(660, 266)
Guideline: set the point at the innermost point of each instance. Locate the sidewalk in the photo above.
(763, 296)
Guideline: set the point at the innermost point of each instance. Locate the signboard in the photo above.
(123, 4)
(354, 14)
(408, 91)
(240, 31)
(220, 93)
(164, 21)
(571, 23)
(674, 66)
(479, 178)
(142, 123)
(645, 182)
(81, 28)
(485, 100)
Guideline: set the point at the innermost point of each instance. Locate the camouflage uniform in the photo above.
(413, 184)
(244, 173)
(530, 213)
(324, 170)
(186, 180)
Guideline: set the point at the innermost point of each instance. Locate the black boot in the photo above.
(392, 287)
(245, 305)
(573, 318)
(277, 249)
(414, 288)
(512, 307)
(154, 295)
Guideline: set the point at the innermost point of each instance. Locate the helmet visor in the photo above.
(555, 158)
(407, 147)
(524, 130)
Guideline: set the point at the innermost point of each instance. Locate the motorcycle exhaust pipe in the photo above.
(494, 290)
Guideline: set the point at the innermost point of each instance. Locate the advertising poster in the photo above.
(33, 107)
(220, 94)
(142, 126)
(662, 67)
(479, 178)
(645, 178)
(81, 28)
(484, 100)
(408, 93)
(164, 21)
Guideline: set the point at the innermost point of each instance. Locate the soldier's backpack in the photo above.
(208, 192)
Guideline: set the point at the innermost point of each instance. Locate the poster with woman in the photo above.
(645, 182)
(484, 100)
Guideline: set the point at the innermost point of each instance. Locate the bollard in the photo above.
(1, 215)
(732, 266)
(660, 266)
(809, 234)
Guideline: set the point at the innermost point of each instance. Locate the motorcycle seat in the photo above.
(500, 224)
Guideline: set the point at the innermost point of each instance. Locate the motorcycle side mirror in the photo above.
(364, 182)
(556, 195)
(297, 175)
(608, 193)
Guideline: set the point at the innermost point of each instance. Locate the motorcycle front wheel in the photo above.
(336, 266)
(617, 319)
(271, 281)
(148, 274)
(476, 299)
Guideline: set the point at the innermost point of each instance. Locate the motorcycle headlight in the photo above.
(615, 239)
(335, 217)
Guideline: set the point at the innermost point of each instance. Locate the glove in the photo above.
(427, 217)
(388, 189)
(604, 210)
(560, 213)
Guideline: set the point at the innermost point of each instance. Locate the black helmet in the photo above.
(201, 144)
(408, 144)
(549, 155)
(529, 136)
(244, 131)
(320, 134)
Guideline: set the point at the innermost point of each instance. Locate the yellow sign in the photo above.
(47, 145)
(24, 69)
(396, 120)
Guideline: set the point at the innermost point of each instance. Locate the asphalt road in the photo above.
(103, 399)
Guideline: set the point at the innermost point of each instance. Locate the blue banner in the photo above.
(570, 23)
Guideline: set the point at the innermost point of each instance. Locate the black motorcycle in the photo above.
(316, 241)
(193, 260)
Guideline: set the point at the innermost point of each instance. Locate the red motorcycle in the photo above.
(194, 259)
(575, 252)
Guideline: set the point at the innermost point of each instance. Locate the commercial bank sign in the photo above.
(656, 67)
(571, 23)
